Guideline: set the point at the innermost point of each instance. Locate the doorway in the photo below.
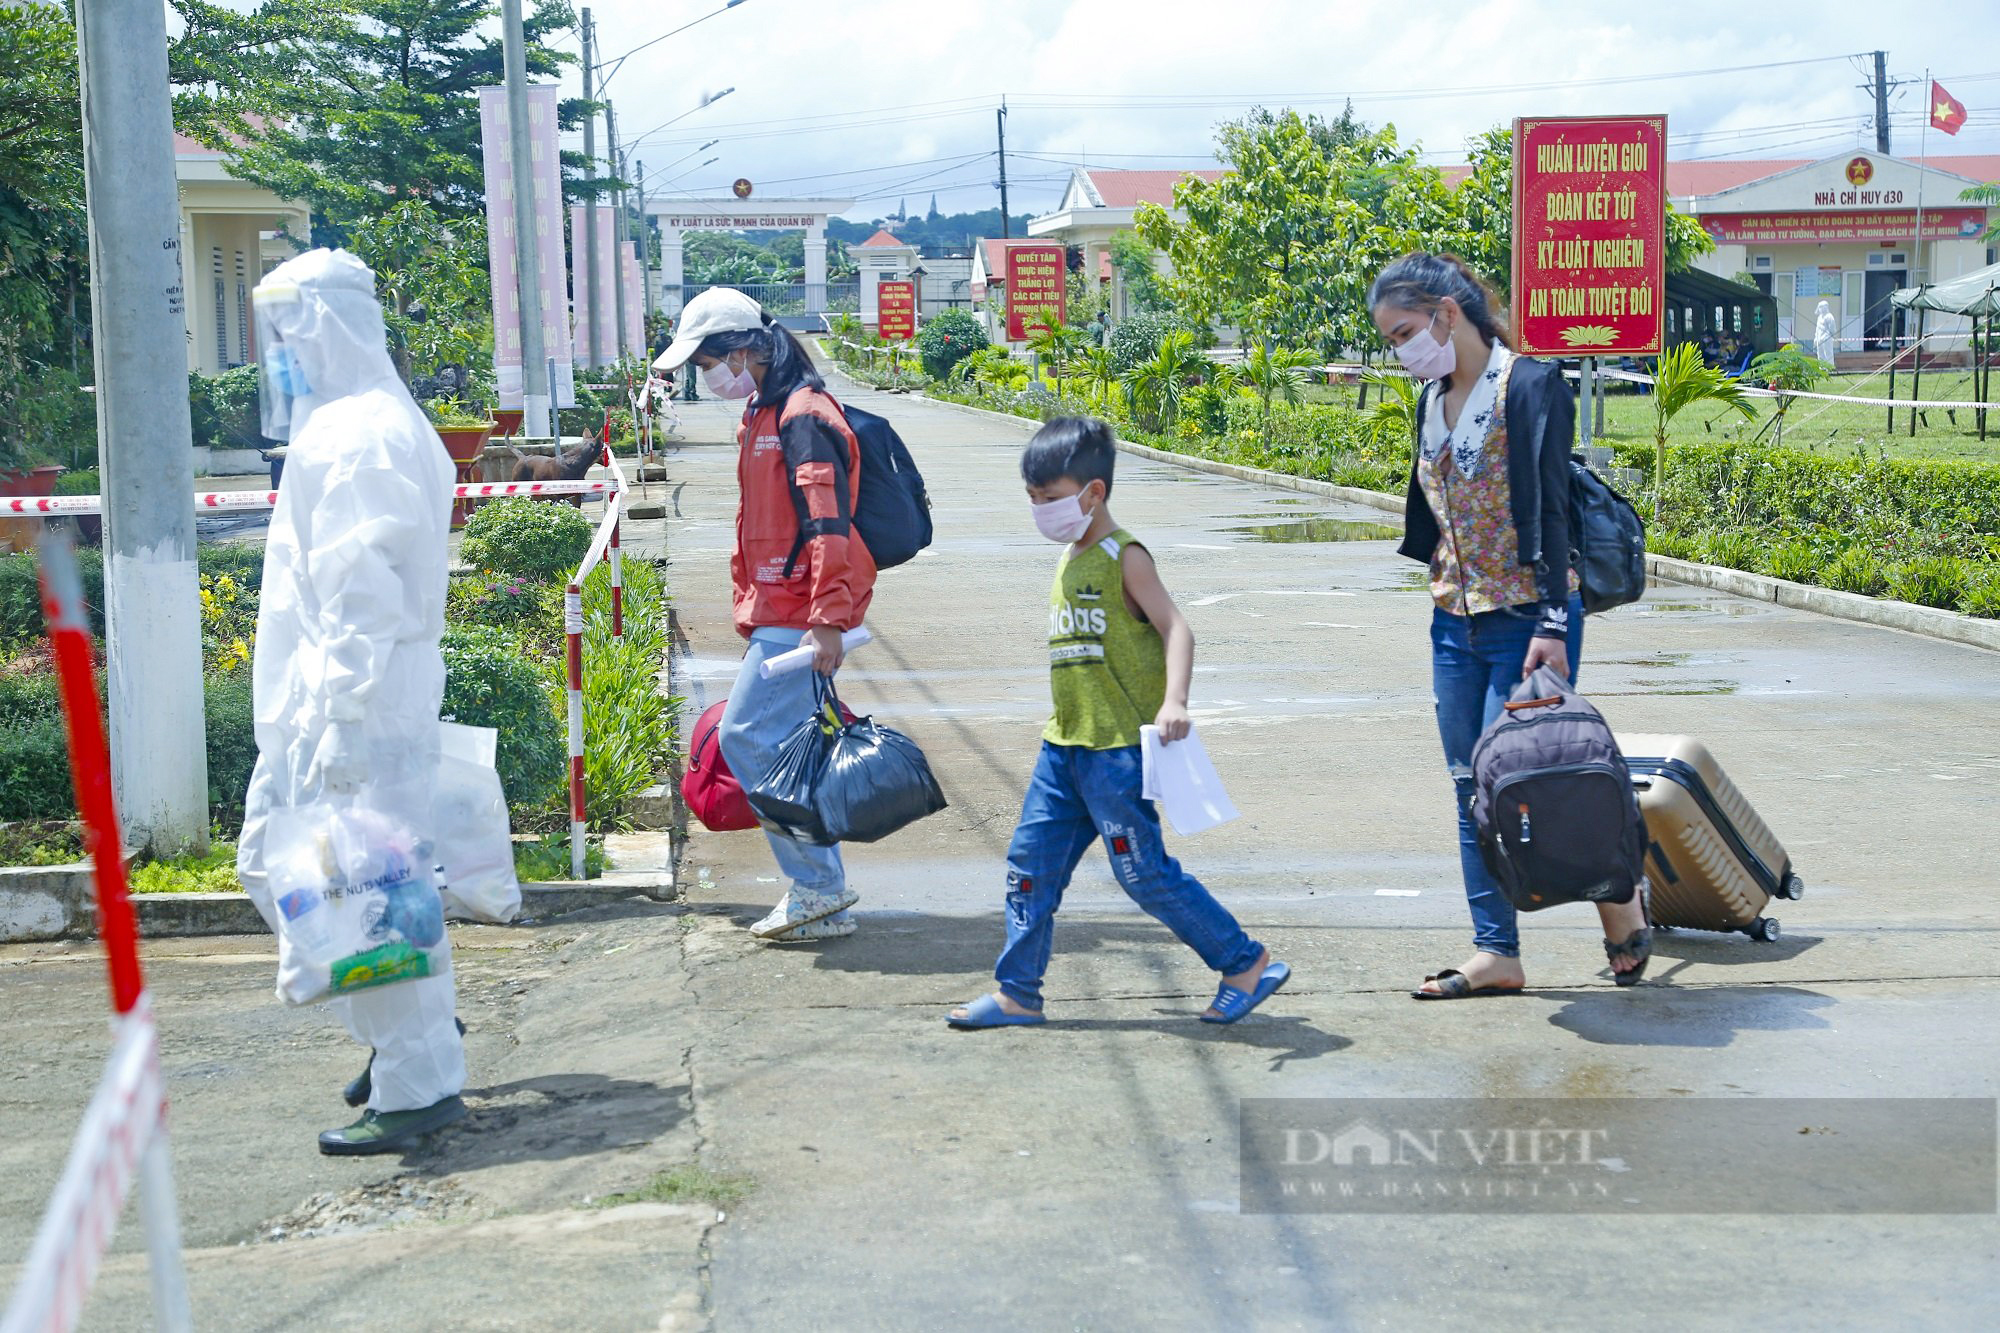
(1881, 322)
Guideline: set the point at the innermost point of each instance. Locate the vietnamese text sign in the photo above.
(739, 221)
(1589, 235)
(896, 304)
(1941, 224)
(1035, 281)
(498, 160)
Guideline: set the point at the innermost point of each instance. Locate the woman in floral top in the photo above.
(1488, 510)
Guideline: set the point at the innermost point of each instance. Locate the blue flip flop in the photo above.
(985, 1012)
(1231, 1004)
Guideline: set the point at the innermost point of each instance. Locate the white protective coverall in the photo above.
(348, 676)
(1825, 329)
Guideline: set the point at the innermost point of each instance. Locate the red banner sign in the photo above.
(896, 310)
(1941, 224)
(1035, 281)
(1589, 235)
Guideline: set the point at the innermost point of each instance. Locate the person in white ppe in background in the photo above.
(348, 675)
(1825, 329)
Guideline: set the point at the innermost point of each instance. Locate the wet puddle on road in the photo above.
(1320, 530)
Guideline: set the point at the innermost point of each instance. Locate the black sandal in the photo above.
(1638, 945)
(1455, 985)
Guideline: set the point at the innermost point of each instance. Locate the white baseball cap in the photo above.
(717, 310)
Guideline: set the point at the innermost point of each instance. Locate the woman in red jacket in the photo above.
(796, 582)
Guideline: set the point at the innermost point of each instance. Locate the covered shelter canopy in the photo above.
(1976, 293)
(1699, 303)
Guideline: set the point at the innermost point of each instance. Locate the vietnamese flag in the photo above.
(1947, 112)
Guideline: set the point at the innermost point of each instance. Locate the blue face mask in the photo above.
(287, 373)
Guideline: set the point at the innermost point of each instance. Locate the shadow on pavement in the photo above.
(1286, 1038)
(551, 1118)
(1695, 1016)
(917, 945)
(1715, 950)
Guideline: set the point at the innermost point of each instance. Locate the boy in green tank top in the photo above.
(1120, 657)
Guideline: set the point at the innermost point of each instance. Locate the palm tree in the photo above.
(1051, 340)
(1681, 380)
(1156, 386)
(1276, 375)
(1100, 372)
(1394, 420)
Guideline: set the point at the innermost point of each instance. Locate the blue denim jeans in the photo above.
(1475, 665)
(1076, 797)
(760, 715)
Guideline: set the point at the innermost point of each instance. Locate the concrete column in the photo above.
(816, 268)
(673, 273)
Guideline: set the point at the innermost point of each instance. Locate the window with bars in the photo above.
(221, 309)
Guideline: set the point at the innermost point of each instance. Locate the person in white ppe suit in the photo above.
(348, 675)
(1825, 329)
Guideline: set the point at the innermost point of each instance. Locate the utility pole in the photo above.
(1882, 103)
(620, 231)
(1000, 118)
(590, 254)
(645, 256)
(535, 386)
(145, 441)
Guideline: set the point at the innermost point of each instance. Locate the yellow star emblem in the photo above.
(1945, 111)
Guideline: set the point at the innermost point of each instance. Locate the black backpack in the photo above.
(892, 510)
(1553, 801)
(1607, 541)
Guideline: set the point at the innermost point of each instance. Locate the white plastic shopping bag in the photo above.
(473, 835)
(356, 899)
(1183, 781)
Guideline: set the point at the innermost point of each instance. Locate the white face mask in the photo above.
(1062, 520)
(1426, 356)
(726, 381)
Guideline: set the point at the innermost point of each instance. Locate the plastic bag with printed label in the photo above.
(356, 899)
(474, 842)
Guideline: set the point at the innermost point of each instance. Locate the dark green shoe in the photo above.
(390, 1131)
(356, 1093)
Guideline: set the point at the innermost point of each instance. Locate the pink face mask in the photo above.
(1426, 356)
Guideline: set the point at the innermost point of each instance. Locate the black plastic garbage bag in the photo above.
(875, 782)
(785, 798)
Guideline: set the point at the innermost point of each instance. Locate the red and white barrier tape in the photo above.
(54, 505)
(126, 1117)
(573, 632)
(1756, 391)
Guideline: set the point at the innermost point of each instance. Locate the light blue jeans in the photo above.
(760, 715)
(1475, 666)
(1075, 798)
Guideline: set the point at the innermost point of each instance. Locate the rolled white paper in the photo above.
(800, 658)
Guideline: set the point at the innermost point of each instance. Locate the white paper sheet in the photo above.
(1184, 782)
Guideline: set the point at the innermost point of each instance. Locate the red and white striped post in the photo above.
(573, 632)
(124, 1130)
(617, 585)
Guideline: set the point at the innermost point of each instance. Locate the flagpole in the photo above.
(1917, 242)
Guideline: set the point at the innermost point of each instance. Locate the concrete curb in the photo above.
(60, 902)
(1878, 611)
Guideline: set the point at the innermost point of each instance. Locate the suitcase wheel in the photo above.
(1793, 888)
(1763, 928)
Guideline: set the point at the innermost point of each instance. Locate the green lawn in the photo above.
(1809, 424)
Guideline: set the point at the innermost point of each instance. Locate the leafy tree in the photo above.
(380, 105)
(947, 339)
(1681, 380)
(1145, 294)
(430, 271)
(1786, 368)
(43, 245)
(1988, 194)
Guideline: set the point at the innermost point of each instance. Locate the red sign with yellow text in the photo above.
(1035, 281)
(896, 307)
(1590, 216)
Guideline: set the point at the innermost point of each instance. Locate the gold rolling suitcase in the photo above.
(1711, 862)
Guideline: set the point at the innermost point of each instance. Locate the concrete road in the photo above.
(1085, 1175)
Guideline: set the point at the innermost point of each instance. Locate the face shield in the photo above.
(320, 336)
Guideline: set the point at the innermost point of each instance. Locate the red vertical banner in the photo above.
(1590, 216)
(896, 303)
(1035, 281)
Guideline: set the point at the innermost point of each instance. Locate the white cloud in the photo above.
(1100, 78)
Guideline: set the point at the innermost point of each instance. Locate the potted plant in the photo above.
(465, 433)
